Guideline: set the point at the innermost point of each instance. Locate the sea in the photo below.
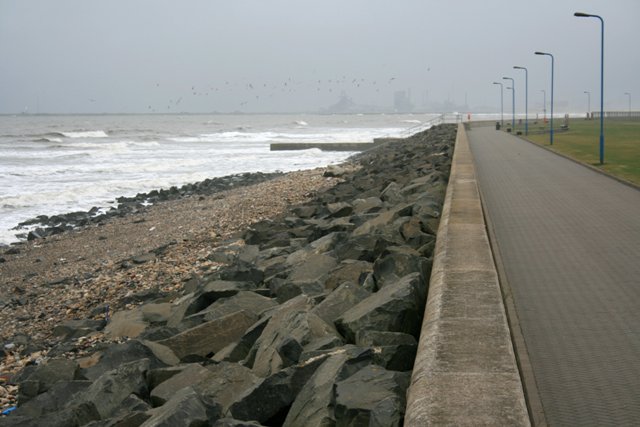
(59, 164)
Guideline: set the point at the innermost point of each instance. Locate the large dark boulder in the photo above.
(398, 307)
(339, 209)
(372, 396)
(273, 395)
(307, 276)
(55, 399)
(225, 382)
(383, 223)
(364, 247)
(45, 376)
(205, 295)
(212, 336)
(248, 301)
(75, 416)
(111, 389)
(397, 262)
(186, 408)
(70, 329)
(132, 412)
(216, 289)
(313, 406)
(240, 349)
(368, 205)
(413, 233)
(241, 273)
(392, 194)
(185, 306)
(394, 351)
(296, 324)
(188, 375)
(340, 300)
(348, 271)
(116, 355)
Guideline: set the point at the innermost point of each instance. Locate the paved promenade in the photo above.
(569, 242)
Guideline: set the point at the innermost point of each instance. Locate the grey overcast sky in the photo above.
(90, 56)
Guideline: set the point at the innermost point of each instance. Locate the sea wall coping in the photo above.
(465, 371)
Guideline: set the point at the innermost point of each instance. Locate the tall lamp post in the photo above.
(587, 15)
(526, 98)
(552, 66)
(513, 103)
(629, 94)
(544, 104)
(513, 128)
(501, 103)
(588, 104)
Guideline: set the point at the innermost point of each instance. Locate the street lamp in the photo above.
(587, 15)
(513, 128)
(526, 98)
(501, 103)
(513, 103)
(629, 94)
(552, 64)
(544, 104)
(588, 104)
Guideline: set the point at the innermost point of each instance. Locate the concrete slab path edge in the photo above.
(465, 371)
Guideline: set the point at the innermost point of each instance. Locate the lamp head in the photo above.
(582, 15)
(518, 67)
(539, 53)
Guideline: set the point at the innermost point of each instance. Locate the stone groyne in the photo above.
(310, 310)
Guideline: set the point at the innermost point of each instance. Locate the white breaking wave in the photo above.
(48, 139)
(95, 160)
(86, 134)
(321, 135)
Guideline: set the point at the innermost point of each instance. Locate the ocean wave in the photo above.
(412, 121)
(320, 135)
(106, 147)
(49, 139)
(84, 134)
(311, 152)
(69, 156)
(143, 143)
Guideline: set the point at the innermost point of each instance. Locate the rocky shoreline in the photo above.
(286, 324)
(45, 226)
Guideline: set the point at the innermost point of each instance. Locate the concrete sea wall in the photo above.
(465, 371)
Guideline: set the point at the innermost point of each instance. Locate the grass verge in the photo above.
(581, 142)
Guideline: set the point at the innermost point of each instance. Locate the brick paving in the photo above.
(569, 241)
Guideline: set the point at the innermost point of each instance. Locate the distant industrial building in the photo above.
(402, 101)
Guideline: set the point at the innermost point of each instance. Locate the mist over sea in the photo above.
(59, 164)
